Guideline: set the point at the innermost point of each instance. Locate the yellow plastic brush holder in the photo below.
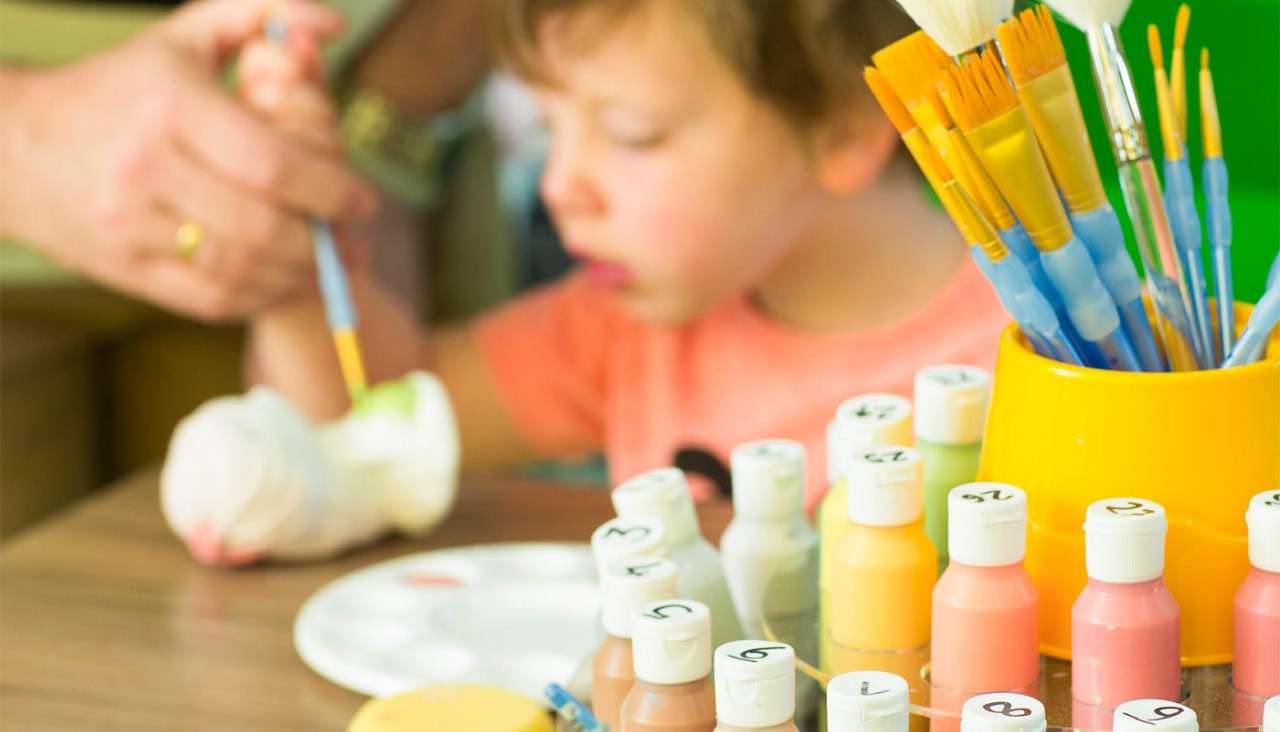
(1200, 443)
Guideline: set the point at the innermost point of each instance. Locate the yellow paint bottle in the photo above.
(863, 421)
(883, 569)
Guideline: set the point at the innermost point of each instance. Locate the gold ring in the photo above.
(188, 238)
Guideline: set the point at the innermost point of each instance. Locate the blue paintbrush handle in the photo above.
(1179, 201)
(1089, 306)
(573, 711)
(1253, 341)
(1218, 216)
(1101, 234)
(1016, 239)
(332, 276)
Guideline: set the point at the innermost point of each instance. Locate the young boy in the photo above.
(751, 250)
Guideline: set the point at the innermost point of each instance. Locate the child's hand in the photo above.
(284, 84)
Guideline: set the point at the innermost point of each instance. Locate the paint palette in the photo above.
(509, 615)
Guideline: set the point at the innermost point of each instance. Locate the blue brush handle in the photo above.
(1218, 214)
(1179, 201)
(1016, 239)
(1100, 231)
(332, 276)
(1089, 305)
(1027, 306)
(572, 710)
(1274, 275)
(1253, 341)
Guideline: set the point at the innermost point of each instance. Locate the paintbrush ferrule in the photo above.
(1054, 110)
(1114, 81)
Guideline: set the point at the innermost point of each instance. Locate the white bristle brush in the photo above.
(1084, 14)
(959, 26)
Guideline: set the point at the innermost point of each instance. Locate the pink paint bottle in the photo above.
(986, 610)
(1124, 625)
(1255, 669)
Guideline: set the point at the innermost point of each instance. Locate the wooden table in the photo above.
(106, 623)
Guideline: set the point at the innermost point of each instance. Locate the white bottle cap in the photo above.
(886, 486)
(671, 641)
(868, 701)
(1002, 712)
(1144, 714)
(662, 494)
(629, 583)
(1124, 540)
(755, 683)
(1263, 518)
(768, 479)
(620, 538)
(1271, 715)
(951, 404)
(987, 524)
(869, 419)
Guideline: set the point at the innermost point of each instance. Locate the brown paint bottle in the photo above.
(626, 585)
(671, 646)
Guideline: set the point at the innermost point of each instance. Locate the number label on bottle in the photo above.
(1161, 715)
(1006, 709)
(1272, 500)
(880, 457)
(662, 612)
(953, 377)
(640, 570)
(995, 494)
(866, 689)
(1132, 508)
(875, 411)
(752, 655)
(625, 532)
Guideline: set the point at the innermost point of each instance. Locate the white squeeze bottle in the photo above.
(663, 494)
(770, 551)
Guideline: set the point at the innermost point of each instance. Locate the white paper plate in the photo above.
(510, 615)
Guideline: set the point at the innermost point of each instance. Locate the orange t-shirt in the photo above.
(578, 374)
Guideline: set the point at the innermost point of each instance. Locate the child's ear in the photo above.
(853, 148)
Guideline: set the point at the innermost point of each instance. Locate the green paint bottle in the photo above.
(950, 415)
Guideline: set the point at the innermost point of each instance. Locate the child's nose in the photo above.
(566, 186)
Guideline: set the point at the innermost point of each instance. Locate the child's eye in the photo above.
(639, 140)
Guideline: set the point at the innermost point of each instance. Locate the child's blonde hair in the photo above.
(803, 57)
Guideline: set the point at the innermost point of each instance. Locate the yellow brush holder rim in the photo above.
(1200, 443)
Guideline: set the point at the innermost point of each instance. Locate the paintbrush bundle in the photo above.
(987, 105)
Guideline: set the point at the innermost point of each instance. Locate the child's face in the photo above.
(667, 180)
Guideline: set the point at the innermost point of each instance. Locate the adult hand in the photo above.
(104, 161)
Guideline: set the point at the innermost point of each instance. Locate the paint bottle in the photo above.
(671, 644)
(867, 701)
(1154, 715)
(885, 568)
(1255, 665)
(625, 586)
(663, 494)
(1002, 712)
(1125, 623)
(755, 687)
(986, 610)
(769, 549)
(623, 538)
(950, 415)
(863, 421)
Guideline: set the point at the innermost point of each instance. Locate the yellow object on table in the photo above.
(453, 708)
(1199, 443)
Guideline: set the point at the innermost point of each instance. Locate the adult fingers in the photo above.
(218, 27)
(230, 140)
